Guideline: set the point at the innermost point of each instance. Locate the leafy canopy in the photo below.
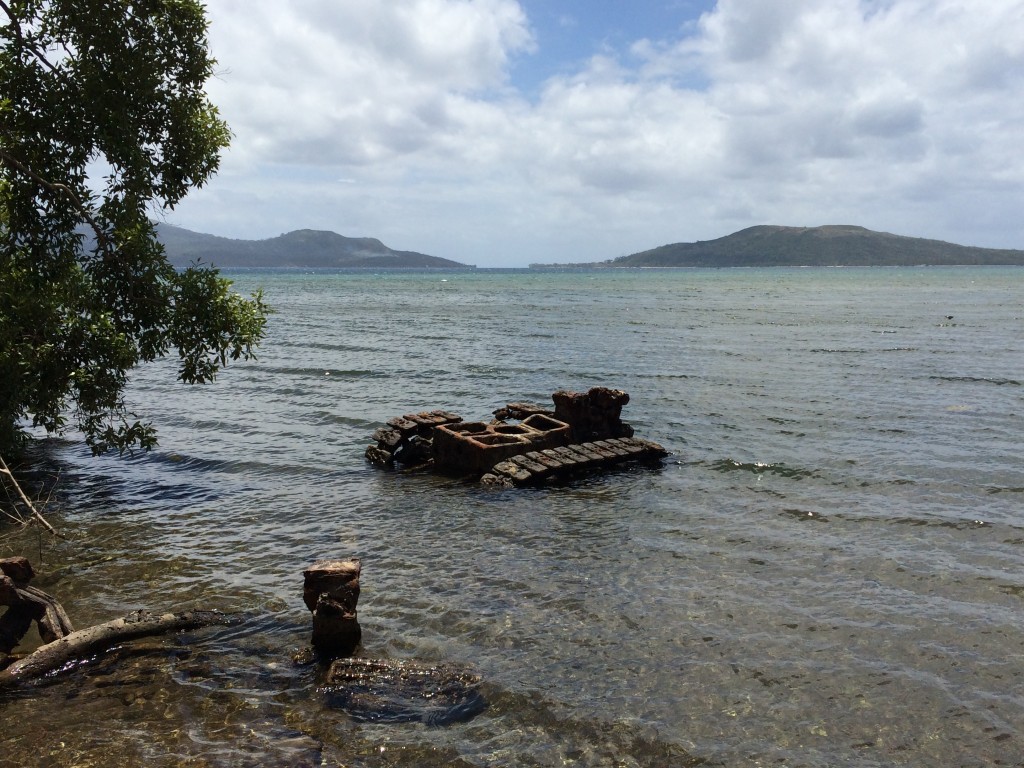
(104, 123)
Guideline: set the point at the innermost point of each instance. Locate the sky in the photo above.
(506, 132)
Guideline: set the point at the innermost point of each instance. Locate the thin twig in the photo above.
(5, 470)
(15, 518)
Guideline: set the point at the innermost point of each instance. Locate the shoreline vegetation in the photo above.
(760, 246)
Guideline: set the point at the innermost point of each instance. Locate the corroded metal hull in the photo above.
(524, 444)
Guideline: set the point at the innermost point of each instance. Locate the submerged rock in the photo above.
(394, 691)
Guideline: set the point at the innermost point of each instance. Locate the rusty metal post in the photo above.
(331, 591)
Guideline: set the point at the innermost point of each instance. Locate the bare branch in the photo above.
(5, 470)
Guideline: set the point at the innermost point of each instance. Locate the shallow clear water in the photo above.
(829, 569)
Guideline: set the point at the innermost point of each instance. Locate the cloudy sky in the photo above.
(504, 132)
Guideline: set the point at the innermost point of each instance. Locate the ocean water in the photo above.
(828, 570)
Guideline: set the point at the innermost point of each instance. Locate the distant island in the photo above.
(302, 248)
(828, 246)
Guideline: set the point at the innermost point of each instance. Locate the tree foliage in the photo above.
(104, 124)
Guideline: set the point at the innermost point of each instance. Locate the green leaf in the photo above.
(86, 293)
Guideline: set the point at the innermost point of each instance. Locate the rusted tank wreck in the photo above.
(524, 444)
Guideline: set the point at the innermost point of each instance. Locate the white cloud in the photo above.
(903, 115)
(355, 83)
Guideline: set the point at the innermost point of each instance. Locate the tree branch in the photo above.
(5, 470)
(16, 26)
(83, 210)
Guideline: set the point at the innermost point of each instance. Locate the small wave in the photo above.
(326, 417)
(977, 380)
(178, 462)
(805, 515)
(183, 462)
(957, 525)
(327, 347)
(671, 377)
(836, 351)
(762, 468)
(349, 374)
(165, 492)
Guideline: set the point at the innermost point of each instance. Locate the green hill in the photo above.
(301, 248)
(828, 246)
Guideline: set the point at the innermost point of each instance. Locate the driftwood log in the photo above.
(85, 642)
(63, 643)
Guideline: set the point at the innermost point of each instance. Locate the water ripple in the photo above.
(824, 573)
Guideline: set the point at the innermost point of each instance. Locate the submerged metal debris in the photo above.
(525, 444)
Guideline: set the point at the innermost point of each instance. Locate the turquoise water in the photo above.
(828, 570)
